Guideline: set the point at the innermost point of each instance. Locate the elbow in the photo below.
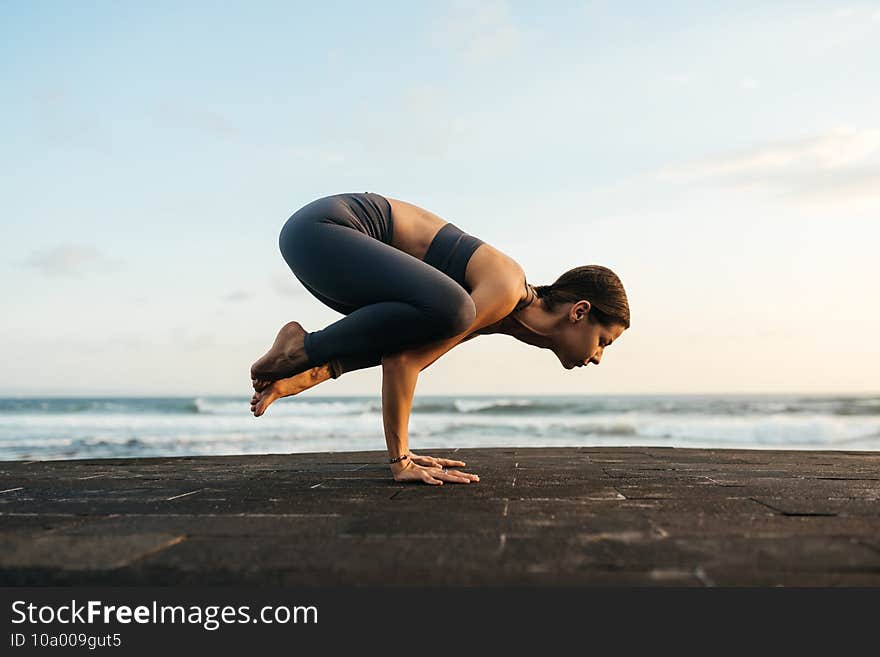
(401, 366)
(396, 361)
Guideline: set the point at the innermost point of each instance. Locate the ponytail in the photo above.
(594, 283)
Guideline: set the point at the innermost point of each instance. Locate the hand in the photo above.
(434, 475)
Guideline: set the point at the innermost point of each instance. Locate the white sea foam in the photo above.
(148, 427)
(471, 406)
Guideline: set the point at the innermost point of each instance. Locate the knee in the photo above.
(286, 242)
(293, 240)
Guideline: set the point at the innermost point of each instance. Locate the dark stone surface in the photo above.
(627, 516)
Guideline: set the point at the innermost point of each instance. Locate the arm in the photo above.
(492, 300)
(400, 371)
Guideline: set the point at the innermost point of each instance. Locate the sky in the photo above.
(724, 162)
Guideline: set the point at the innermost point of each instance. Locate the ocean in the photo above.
(82, 428)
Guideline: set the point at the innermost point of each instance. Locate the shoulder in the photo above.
(498, 293)
(492, 269)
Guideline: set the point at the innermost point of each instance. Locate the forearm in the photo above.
(399, 377)
(400, 371)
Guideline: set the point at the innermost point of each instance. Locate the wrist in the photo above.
(401, 465)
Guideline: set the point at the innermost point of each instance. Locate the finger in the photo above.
(452, 475)
(449, 475)
(436, 461)
(452, 462)
(470, 476)
(426, 476)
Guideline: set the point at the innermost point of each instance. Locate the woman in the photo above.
(412, 286)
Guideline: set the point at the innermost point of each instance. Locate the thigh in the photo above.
(345, 309)
(352, 269)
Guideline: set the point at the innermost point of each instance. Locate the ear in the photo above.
(580, 309)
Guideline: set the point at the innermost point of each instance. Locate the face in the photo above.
(582, 340)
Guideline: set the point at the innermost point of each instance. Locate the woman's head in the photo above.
(591, 311)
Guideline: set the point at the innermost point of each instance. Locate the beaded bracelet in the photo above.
(399, 458)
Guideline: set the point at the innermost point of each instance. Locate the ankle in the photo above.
(320, 373)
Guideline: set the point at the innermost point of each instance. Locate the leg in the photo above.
(342, 364)
(399, 301)
(335, 368)
(272, 390)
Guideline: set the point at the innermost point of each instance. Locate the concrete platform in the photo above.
(609, 516)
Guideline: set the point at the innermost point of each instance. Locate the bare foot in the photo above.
(261, 384)
(284, 359)
(287, 387)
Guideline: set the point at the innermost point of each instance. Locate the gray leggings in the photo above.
(339, 248)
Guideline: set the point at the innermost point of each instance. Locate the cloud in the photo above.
(238, 295)
(837, 165)
(189, 116)
(63, 122)
(677, 78)
(430, 128)
(481, 30)
(69, 260)
(195, 341)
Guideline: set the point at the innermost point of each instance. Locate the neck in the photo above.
(530, 324)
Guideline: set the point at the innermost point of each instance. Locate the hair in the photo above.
(595, 283)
